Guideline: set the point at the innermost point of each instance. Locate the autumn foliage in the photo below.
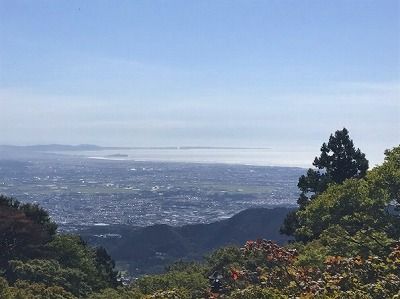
(341, 277)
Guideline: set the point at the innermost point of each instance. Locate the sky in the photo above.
(280, 74)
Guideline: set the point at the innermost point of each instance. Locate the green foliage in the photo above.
(338, 241)
(291, 222)
(312, 255)
(223, 259)
(175, 293)
(339, 277)
(339, 161)
(348, 205)
(49, 273)
(25, 290)
(72, 252)
(38, 263)
(353, 252)
(386, 178)
(5, 291)
(39, 216)
(256, 292)
(105, 267)
(355, 214)
(117, 293)
(193, 283)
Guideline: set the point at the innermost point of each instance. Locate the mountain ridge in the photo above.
(149, 249)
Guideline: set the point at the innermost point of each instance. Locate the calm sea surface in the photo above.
(260, 157)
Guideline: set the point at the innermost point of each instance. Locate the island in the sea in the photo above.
(117, 156)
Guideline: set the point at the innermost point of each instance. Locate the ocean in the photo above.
(243, 156)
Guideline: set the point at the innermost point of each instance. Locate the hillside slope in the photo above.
(150, 249)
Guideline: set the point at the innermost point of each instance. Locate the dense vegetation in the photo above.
(34, 259)
(348, 246)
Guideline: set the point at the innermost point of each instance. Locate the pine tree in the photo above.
(339, 160)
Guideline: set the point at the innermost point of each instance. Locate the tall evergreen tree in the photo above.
(339, 160)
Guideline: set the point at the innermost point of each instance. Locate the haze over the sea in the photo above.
(279, 74)
(256, 157)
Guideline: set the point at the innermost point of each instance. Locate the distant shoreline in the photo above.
(91, 147)
(249, 156)
(150, 160)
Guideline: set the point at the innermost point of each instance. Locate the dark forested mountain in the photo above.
(150, 248)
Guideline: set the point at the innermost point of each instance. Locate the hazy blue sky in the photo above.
(237, 73)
